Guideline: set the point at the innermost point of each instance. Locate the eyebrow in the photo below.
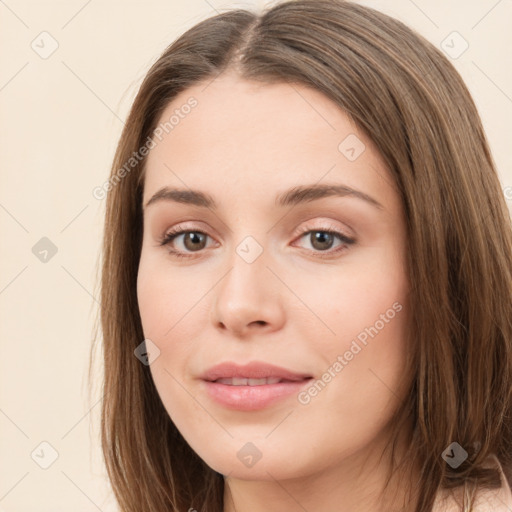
(293, 196)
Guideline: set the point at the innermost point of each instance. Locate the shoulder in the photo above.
(487, 500)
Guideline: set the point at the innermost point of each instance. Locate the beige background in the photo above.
(61, 117)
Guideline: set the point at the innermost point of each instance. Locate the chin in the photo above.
(246, 460)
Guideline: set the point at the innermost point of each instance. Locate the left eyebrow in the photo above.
(293, 196)
(304, 194)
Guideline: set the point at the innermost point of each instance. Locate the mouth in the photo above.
(253, 386)
(251, 374)
(242, 381)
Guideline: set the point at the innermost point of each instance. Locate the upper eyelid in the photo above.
(177, 231)
(328, 224)
(345, 243)
(329, 227)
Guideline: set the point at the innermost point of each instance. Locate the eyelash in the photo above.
(175, 232)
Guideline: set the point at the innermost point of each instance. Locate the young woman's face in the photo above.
(258, 280)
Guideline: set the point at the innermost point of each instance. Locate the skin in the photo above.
(243, 144)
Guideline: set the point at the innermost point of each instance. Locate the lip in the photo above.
(253, 370)
(251, 398)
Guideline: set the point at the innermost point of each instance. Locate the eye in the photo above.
(193, 240)
(322, 241)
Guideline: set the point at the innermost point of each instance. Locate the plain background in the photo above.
(61, 117)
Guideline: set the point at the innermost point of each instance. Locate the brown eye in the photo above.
(194, 240)
(321, 240)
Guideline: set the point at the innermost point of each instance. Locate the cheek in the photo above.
(358, 298)
(365, 362)
(169, 308)
(162, 298)
(163, 310)
(364, 356)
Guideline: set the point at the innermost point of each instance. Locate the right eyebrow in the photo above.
(194, 197)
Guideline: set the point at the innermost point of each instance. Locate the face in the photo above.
(301, 294)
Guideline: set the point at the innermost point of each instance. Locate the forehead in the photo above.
(259, 138)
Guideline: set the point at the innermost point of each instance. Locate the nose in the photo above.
(248, 298)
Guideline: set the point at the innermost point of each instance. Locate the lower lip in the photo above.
(252, 398)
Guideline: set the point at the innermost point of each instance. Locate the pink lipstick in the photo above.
(252, 386)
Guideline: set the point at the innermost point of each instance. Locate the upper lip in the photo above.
(253, 370)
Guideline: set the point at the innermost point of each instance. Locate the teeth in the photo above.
(273, 380)
(241, 381)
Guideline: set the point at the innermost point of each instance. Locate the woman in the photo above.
(340, 336)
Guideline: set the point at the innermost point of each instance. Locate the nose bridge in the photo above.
(247, 294)
(247, 281)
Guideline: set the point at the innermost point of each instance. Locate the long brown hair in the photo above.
(409, 99)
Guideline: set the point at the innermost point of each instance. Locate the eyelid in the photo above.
(328, 226)
(176, 231)
(186, 226)
(346, 240)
